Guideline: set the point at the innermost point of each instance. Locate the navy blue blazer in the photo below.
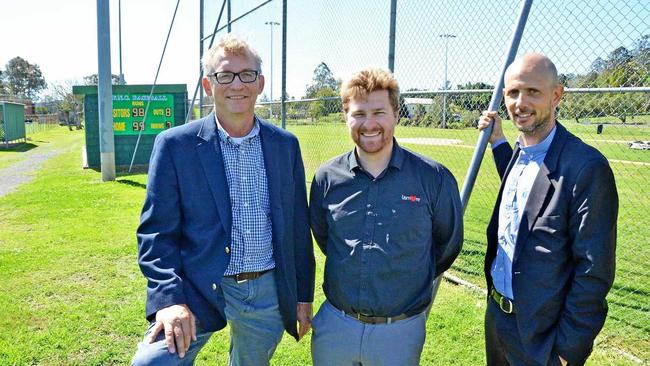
(563, 265)
(186, 222)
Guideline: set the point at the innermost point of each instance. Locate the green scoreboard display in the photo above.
(137, 119)
(129, 112)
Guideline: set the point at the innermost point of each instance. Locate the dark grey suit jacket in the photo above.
(563, 265)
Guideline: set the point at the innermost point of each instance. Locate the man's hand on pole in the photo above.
(497, 131)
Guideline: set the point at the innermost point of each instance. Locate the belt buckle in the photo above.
(504, 300)
(365, 318)
(242, 280)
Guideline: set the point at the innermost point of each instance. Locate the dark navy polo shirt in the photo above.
(385, 238)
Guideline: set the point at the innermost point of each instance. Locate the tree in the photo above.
(323, 78)
(23, 79)
(598, 65)
(94, 79)
(60, 94)
(618, 57)
(3, 87)
(473, 102)
(321, 108)
(567, 80)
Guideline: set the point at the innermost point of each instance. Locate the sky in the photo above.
(61, 37)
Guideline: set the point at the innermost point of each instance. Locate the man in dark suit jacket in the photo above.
(224, 234)
(552, 237)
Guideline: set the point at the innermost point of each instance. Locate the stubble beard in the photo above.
(536, 128)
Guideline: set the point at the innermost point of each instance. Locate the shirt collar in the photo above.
(396, 157)
(540, 148)
(225, 136)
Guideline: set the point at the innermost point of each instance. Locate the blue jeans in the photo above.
(255, 324)
(339, 340)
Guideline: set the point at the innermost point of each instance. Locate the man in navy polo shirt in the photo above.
(389, 221)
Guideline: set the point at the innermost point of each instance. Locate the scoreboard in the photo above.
(132, 116)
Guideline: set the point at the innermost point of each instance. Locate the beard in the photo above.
(539, 124)
(372, 146)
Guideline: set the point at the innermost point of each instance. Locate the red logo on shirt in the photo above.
(412, 198)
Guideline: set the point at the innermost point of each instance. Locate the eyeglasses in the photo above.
(227, 77)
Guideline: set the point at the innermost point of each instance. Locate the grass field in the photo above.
(72, 294)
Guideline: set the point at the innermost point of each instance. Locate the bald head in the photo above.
(535, 63)
(531, 95)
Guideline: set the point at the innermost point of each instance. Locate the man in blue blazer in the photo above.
(224, 235)
(552, 237)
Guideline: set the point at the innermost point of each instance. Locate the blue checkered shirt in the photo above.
(251, 246)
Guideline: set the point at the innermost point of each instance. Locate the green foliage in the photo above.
(473, 102)
(322, 107)
(622, 68)
(22, 78)
(263, 111)
(323, 79)
(94, 79)
(3, 87)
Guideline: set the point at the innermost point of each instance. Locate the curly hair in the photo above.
(367, 81)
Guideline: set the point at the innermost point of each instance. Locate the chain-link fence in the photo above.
(447, 57)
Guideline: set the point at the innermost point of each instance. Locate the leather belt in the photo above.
(505, 304)
(246, 276)
(368, 319)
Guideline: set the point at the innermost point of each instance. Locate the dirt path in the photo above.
(24, 170)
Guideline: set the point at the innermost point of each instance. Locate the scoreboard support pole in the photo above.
(105, 92)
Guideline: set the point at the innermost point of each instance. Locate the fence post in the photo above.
(283, 97)
(391, 37)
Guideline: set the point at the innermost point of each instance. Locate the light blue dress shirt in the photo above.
(518, 184)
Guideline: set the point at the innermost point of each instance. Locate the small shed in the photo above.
(12, 123)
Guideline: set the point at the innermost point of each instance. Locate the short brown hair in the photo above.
(230, 45)
(367, 81)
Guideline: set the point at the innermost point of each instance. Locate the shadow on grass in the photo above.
(630, 323)
(123, 170)
(630, 289)
(22, 147)
(131, 183)
(469, 272)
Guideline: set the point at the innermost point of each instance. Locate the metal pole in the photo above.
(497, 94)
(271, 58)
(283, 97)
(391, 37)
(444, 87)
(271, 23)
(155, 81)
(119, 26)
(244, 15)
(201, 25)
(229, 19)
(105, 92)
(198, 82)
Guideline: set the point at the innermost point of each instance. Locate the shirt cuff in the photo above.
(498, 142)
(307, 303)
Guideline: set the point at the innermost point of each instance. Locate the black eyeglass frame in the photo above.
(235, 74)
